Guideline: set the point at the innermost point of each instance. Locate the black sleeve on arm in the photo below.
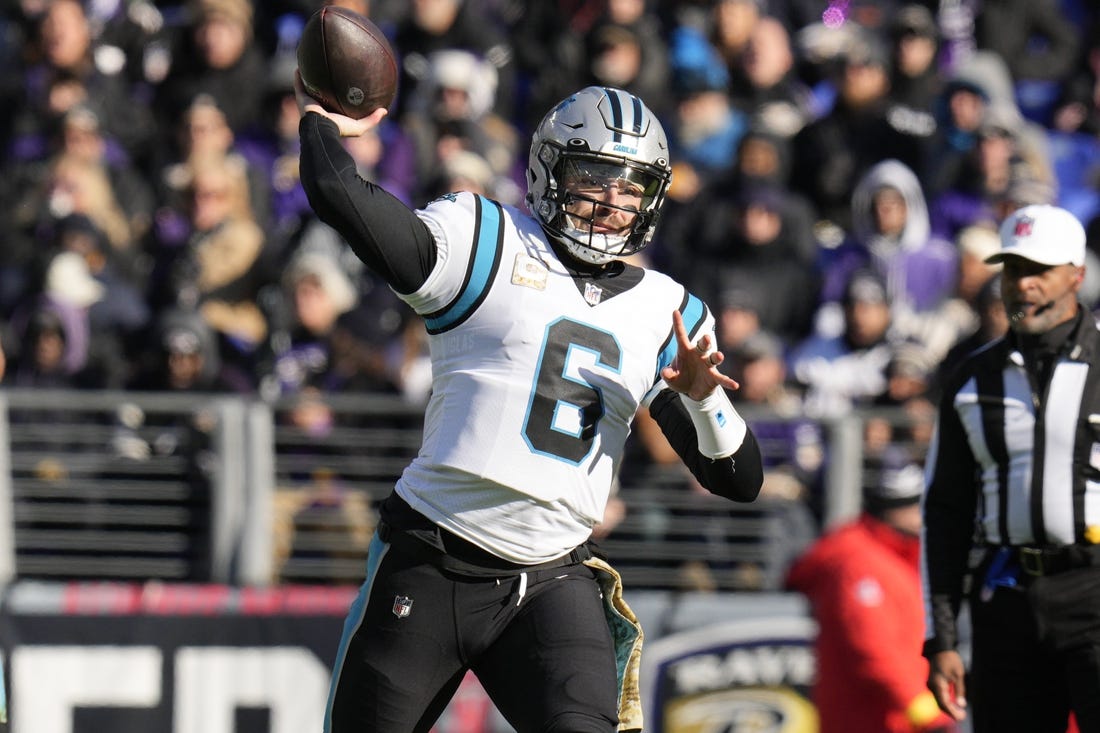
(384, 233)
(950, 505)
(737, 477)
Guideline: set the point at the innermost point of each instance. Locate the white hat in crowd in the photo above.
(68, 280)
(1042, 233)
(334, 282)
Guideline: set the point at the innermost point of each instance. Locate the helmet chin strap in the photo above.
(593, 247)
(592, 253)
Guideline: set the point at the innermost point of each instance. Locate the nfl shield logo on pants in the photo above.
(402, 606)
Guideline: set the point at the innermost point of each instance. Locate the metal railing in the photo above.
(210, 488)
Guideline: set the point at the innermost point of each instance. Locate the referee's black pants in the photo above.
(538, 643)
(1036, 655)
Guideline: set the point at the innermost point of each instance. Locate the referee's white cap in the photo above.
(1042, 233)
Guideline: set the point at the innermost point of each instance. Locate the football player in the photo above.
(545, 341)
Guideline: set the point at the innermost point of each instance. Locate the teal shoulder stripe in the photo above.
(694, 312)
(484, 262)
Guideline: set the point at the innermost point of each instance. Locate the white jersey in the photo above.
(535, 380)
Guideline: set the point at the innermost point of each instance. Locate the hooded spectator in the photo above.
(891, 235)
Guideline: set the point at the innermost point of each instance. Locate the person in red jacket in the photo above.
(863, 585)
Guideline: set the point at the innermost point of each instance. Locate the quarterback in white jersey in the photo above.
(537, 382)
(544, 344)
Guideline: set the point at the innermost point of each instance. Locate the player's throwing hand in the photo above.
(349, 127)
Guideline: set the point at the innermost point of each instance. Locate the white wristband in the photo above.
(719, 428)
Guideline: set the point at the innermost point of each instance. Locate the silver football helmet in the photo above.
(595, 140)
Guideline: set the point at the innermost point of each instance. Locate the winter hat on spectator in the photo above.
(181, 339)
(1000, 120)
(696, 64)
(1042, 233)
(1024, 188)
(78, 233)
(465, 71)
(185, 332)
(867, 49)
(83, 116)
(913, 360)
(69, 281)
(765, 195)
(865, 286)
(328, 273)
(760, 345)
(469, 166)
(914, 20)
(900, 482)
(978, 241)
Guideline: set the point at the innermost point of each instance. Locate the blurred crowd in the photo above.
(840, 170)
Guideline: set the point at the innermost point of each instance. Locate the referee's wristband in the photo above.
(719, 429)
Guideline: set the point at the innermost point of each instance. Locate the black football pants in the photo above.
(1036, 655)
(539, 644)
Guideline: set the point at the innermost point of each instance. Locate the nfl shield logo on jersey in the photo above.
(402, 606)
(593, 294)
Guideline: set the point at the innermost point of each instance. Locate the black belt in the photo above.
(465, 558)
(1041, 561)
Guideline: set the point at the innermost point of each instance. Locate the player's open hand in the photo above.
(694, 371)
(349, 126)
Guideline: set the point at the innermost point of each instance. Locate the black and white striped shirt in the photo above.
(1011, 463)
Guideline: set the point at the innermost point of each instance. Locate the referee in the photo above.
(1014, 484)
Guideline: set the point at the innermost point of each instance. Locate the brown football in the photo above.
(346, 63)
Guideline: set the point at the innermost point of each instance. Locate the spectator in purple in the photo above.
(119, 319)
(891, 235)
(986, 173)
(53, 328)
